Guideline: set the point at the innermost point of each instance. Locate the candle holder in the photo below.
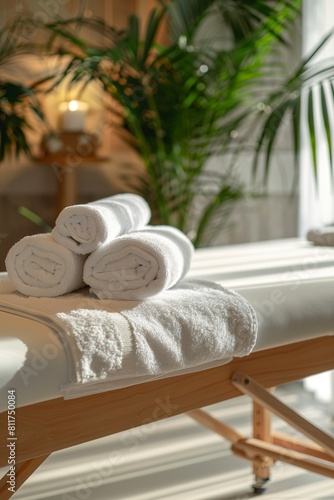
(58, 145)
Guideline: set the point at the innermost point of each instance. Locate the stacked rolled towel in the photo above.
(140, 264)
(125, 263)
(40, 267)
(322, 236)
(83, 228)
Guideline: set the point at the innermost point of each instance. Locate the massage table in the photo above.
(290, 284)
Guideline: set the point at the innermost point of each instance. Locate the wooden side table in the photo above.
(64, 152)
(65, 171)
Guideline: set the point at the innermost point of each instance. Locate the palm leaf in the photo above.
(133, 34)
(305, 61)
(186, 16)
(34, 218)
(303, 81)
(15, 99)
(154, 21)
(296, 120)
(326, 119)
(311, 129)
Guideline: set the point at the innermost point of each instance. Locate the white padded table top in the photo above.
(290, 283)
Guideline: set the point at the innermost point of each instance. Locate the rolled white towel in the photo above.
(139, 265)
(83, 228)
(40, 267)
(322, 236)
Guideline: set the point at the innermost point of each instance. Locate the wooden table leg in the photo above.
(67, 187)
(261, 430)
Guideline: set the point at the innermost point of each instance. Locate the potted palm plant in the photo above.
(180, 103)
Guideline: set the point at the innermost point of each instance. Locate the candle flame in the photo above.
(73, 105)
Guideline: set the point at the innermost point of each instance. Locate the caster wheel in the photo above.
(260, 485)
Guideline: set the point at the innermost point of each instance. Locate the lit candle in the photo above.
(73, 116)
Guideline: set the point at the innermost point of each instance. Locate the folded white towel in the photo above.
(112, 344)
(140, 264)
(322, 236)
(83, 228)
(40, 267)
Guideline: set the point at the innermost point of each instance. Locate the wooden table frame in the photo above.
(45, 427)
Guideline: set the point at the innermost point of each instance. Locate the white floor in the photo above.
(177, 459)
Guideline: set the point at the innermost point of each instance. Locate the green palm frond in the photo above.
(15, 101)
(18, 102)
(325, 106)
(308, 90)
(34, 218)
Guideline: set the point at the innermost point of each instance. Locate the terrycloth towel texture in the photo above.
(322, 236)
(40, 267)
(139, 265)
(83, 228)
(114, 344)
